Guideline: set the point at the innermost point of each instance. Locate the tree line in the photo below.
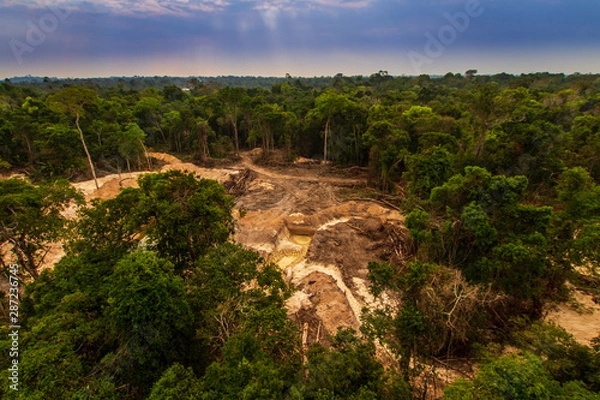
(530, 125)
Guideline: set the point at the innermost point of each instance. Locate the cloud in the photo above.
(271, 10)
(344, 3)
(125, 7)
(300, 5)
(185, 7)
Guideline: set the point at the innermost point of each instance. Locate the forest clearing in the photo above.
(390, 238)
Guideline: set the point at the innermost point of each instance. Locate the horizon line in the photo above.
(23, 77)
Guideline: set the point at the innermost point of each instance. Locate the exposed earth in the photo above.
(301, 219)
(304, 218)
(312, 223)
(297, 219)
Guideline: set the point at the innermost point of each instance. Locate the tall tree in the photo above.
(132, 144)
(336, 108)
(72, 101)
(148, 111)
(233, 99)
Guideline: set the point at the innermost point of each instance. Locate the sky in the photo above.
(94, 38)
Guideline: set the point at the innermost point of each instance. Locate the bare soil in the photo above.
(580, 317)
(297, 218)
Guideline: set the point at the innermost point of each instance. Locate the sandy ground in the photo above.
(580, 317)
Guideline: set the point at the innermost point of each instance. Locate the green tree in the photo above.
(583, 147)
(467, 215)
(245, 373)
(176, 383)
(233, 100)
(59, 152)
(132, 144)
(149, 114)
(515, 377)
(174, 213)
(346, 369)
(427, 170)
(563, 357)
(388, 149)
(183, 216)
(205, 133)
(173, 124)
(403, 330)
(32, 219)
(217, 291)
(337, 111)
(150, 317)
(72, 101)
(576, 226)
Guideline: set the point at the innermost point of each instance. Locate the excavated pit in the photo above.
(324, 256)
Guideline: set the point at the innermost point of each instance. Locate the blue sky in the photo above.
(81, 38)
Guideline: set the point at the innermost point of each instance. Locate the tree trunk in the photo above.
(356, 146)
(146, 154)
(157, 125)
(236, 137)
(87, 153)
(204, 143)
(326, 136)
(202, 139)
(29, 150)
(480, 141)
(24, 258)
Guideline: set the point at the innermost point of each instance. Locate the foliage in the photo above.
(435, 313)
(245, 373)
(577, 224)
(112, 317)
(500, 177)
(564, 358)
(32, 219)
(477, 223)
(349, 370)
(234, 290)
(180, 216)
(515, 377)
(176, 383)
(148, 315)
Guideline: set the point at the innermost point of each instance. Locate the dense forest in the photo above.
(498, 177)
